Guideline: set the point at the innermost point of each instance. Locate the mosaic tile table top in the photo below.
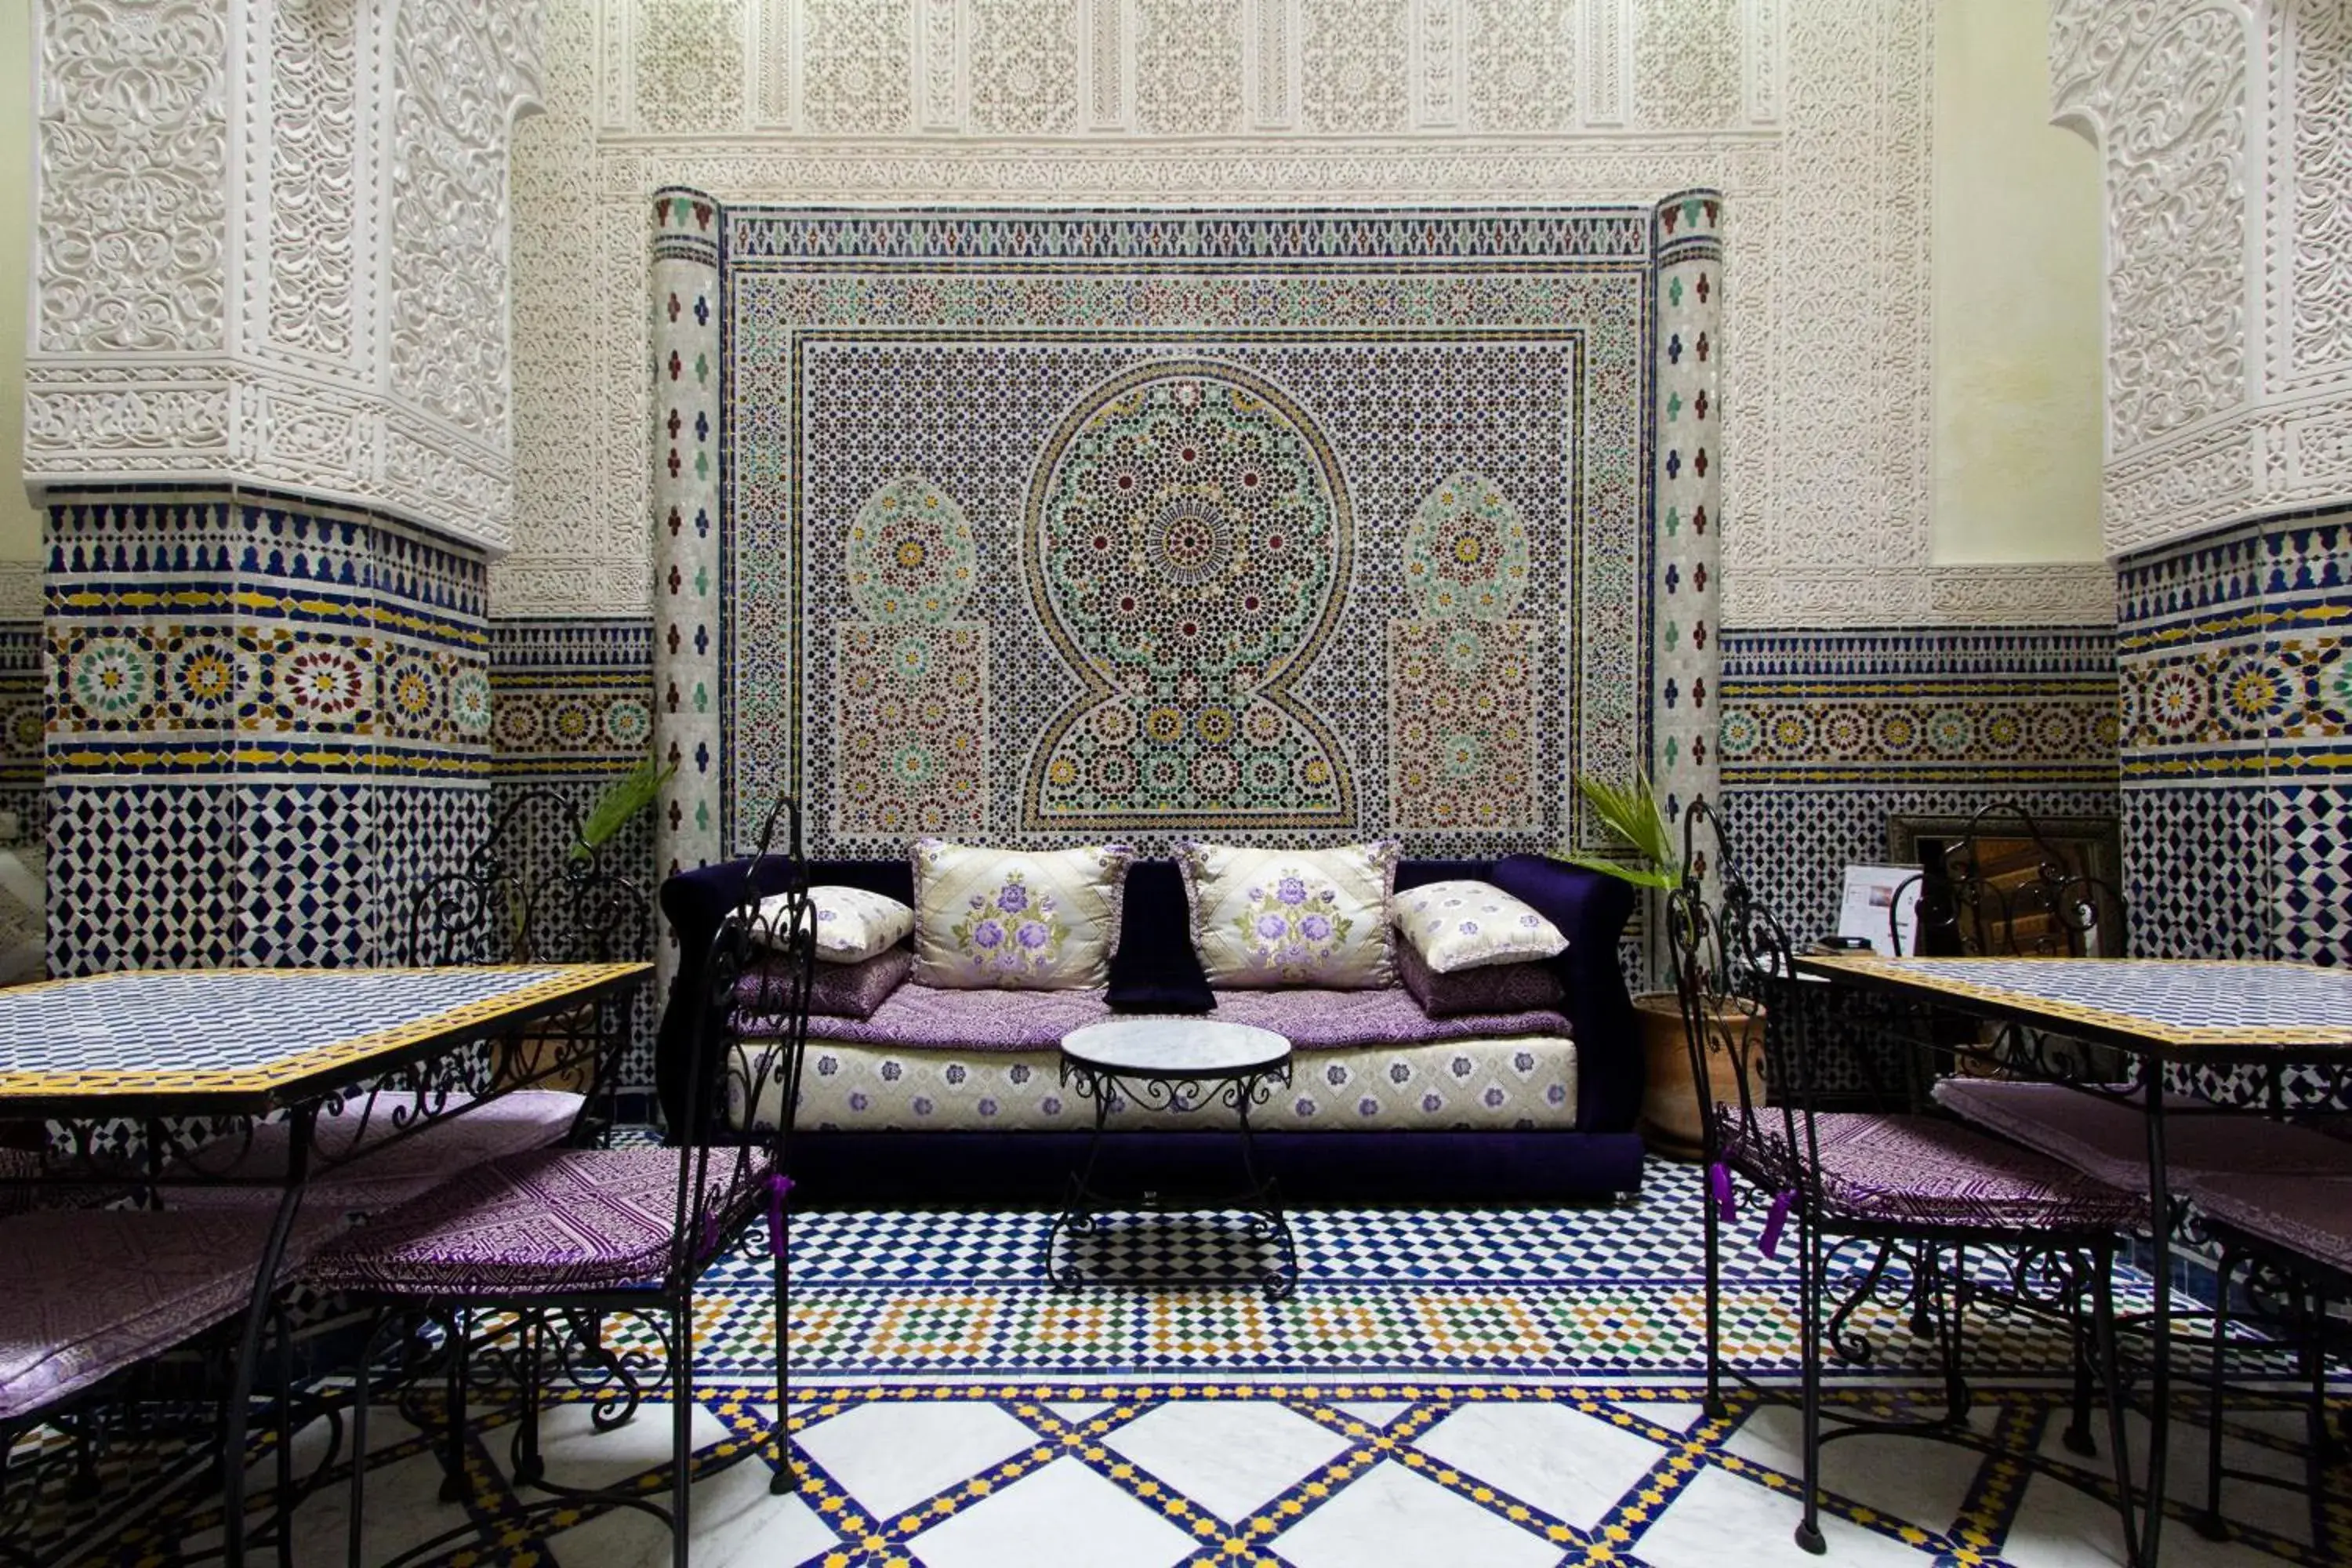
(2163, 1001)
(246, 1033)
(1039, 526)
(1494, 1388)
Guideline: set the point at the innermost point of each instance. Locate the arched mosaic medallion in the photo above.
(1187, 542)
(1462, 699)
(910, 682)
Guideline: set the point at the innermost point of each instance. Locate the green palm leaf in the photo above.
(1633, 816)
(623, 799)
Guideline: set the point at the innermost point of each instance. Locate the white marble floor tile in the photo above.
(736, 1522)
(1391, 1518)
(1673, 1414)
(1230, 1456)
(1570, 1465)
(1922, 1479)
(1079, 1412)
(1719, 1520)
(2275, 1509)
(1375, 1412)
(1062, 1516)
(2059, 1526)
(890, 1455)
(577, 1455)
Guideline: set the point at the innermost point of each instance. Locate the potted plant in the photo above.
(1673, 1105)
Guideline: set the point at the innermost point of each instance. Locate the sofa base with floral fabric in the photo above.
(947, 1094)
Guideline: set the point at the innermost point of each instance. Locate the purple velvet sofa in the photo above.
(1592, 1150)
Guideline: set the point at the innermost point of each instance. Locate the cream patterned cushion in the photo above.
(851, 924)
(1291, 917)
(1470, 924)
(1045, 921)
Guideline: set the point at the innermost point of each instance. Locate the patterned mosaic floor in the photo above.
(1446, 1388)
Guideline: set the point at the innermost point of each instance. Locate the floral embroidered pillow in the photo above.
(1045, 921)
(1469, 925)
(851, 924)
(1291, 917)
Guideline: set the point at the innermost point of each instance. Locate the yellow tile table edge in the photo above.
(1899, 970)
(568, 979)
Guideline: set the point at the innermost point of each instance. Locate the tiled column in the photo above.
(1686, 587)
(267, 723)
(686, 402)
(2237, 705)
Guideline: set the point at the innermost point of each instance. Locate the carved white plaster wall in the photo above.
(1810, 115)
(2225, 130)
(272, 249)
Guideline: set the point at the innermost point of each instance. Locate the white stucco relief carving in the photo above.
(273, 249)
(1812, 115)
(2221, 126)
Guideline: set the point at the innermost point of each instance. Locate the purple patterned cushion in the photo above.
(1496, 988)
(835, 990)
(919, 1017)
(88, 1292)
(376, 1178)
(2303, 1215)
(2108, 1140)
(1922, 1171)
(529, 1224)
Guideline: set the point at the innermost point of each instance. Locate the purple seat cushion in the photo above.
(1925, 1171)
(1491, 988)
(88, 1292)
(2108, 1140)
(529, 1225)
(381, 1174)
(922, 1016)
(835, 990)
(2303, 1215)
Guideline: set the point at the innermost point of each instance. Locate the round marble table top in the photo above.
(1176, 1048)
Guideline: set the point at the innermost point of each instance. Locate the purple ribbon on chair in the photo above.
(778, 1185)
(1777, 1221)
(1718, 1184)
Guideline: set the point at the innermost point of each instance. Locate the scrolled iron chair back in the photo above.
(2055, 911)
(497, 908)
(1731, 965)
(751, 1042)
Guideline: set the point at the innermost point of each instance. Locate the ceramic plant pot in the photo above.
(1674, 1108)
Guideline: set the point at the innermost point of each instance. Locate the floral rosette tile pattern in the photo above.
(1040, 922)
(1187, 548)
(910, 682)
(1462, 751)
(1197, 456)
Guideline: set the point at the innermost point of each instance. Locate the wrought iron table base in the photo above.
(1260, 1201)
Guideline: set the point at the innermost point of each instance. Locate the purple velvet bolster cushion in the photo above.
(921, 1017)
(835, 990)
(1491, 988)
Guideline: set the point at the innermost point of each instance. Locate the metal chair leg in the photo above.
(681, 1523)
(453, 1462)
(784, 1481)
(2208, 1522)
(1713, 1228)
(1809, 1342)
(2102, 1330)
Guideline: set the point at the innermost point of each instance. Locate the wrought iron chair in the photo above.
(562, 1236)
(2293, 1237)
(1876, 1185)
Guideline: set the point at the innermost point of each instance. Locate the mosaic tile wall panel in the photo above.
(20, 726)
(572, 709)
(1308, 524)
(2236, 702)
(265, 723)
(1825, 735)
